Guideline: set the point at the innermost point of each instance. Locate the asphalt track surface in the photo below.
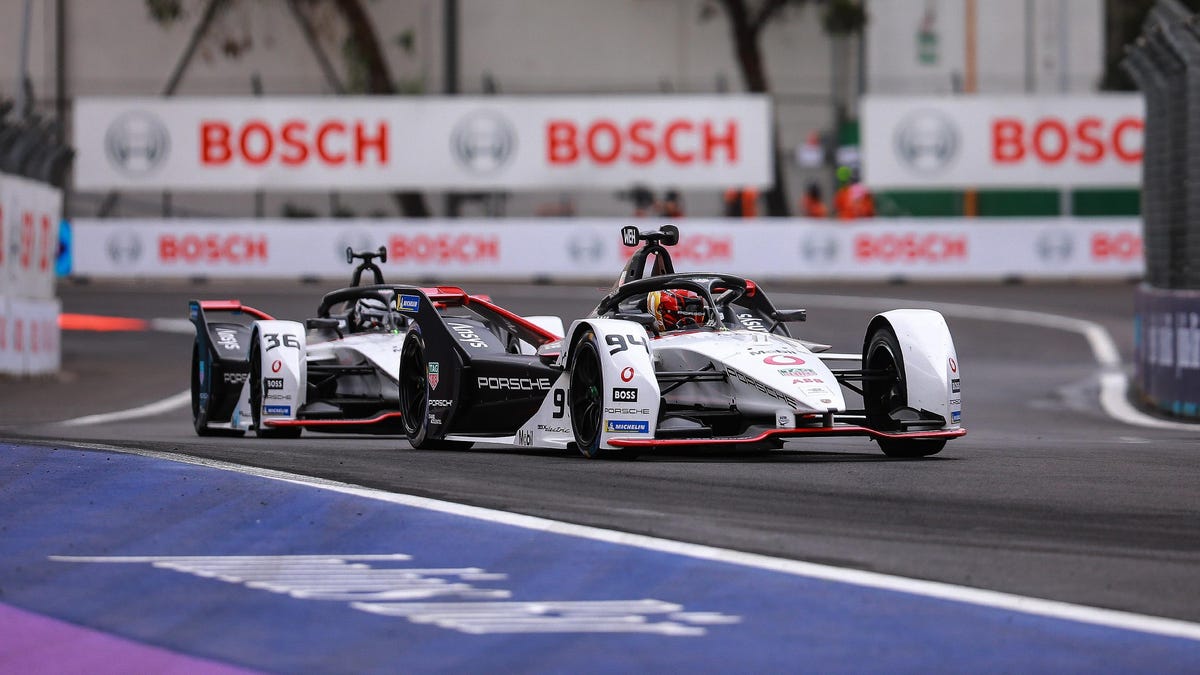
(1046, 497)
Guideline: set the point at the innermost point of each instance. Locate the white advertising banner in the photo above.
(450, 251)
(384, 143)
(29, 336)
(29, 216)
(1002, 141)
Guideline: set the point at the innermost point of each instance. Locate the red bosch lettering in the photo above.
(1120, 246)
(191, 248)
(1054, 140)
(294, 143)
(910, 247)
(443, 248)
(680, 141)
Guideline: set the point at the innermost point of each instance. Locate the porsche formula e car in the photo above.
(338, 371)
(722, 370)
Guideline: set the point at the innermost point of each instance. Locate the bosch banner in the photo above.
(377, 143)
(591, 249)
(988, 141)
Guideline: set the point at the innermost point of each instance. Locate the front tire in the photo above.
(256, 399)
(885, 399)
(414, 397)
(586, 401)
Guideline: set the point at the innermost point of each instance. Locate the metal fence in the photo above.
(1165, 63)
(32, 147)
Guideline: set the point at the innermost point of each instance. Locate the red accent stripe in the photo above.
(382, 417)
(550, 337)
(100, 323)
(233, 306)
(849, 430)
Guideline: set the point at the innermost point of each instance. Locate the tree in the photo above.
(362, 51)
(747, 19)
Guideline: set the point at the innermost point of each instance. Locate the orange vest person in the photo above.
(811, 204)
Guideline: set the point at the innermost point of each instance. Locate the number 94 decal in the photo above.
(620, 343)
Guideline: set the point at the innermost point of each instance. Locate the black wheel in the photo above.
(256, 399)
(586, 401)
(885, 398)
(201, 385)
(414, 397)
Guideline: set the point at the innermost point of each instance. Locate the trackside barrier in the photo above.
(591, 250)
(29, 220)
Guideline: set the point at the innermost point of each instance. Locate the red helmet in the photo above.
(676, 309)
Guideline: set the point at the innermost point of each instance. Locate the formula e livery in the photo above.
(667, 359)
(338, 371)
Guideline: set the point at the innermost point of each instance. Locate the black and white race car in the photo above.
(338, 371)
(671, 359)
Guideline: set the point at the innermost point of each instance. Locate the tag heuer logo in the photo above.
(431, 372)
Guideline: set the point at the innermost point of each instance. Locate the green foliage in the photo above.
(165, 12)
(844, 17)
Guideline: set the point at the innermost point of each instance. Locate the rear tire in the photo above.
(883, 397)
(256, 398)
(201, 384)
(414, 397)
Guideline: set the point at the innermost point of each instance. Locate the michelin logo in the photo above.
(277, 410)
(627, 426)
(408, 303)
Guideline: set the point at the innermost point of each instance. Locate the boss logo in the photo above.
(468, 335)
(273, 382)
(627, 394)
(227, 339)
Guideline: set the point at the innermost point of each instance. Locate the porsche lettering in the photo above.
(514, 383)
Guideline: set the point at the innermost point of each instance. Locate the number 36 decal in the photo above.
(620, 343)
(272, 340)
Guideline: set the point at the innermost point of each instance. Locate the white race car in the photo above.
(666, 359)
(338, 371)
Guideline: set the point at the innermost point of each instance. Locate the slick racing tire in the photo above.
(414, 396)
(256, 398)
(883, 397)
(586, 400)
(201, 392)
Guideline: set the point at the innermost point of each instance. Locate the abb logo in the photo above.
(641, 142)
(191, 248)
(443, 248)
(1053, 140)
(1122, 246)
(293, 143)
(910, 247)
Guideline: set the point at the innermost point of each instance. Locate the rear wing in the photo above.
(197, 313)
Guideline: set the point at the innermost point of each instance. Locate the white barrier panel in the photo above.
(29, 336)
(1007, 141)
(29, 216)
(374, 143)
(590, 249)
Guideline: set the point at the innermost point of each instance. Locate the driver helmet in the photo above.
(370, 314)
(676, 309)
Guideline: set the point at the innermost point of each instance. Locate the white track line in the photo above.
(150, 409)
(930, 589)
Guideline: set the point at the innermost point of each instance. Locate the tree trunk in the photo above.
(379, 81)
(745, 29)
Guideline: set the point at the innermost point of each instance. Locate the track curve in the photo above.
(1046, 497)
